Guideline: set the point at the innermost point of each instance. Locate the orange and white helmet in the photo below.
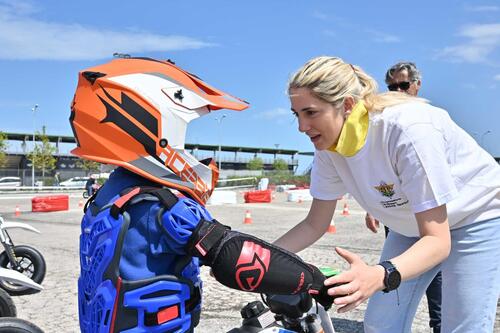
(133, 113)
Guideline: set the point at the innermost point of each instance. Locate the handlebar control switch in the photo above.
(252, 309)
(255, 317)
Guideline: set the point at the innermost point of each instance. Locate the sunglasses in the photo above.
(405, 85)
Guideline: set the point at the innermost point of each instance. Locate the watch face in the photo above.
(393, 280)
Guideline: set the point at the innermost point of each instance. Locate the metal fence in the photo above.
(48, 178)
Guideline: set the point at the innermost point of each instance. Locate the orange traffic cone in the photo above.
(80, 203)
(248, 218)
(17, 211)
(345, 211)
(331, 228)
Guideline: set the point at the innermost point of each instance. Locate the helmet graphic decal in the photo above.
(178, 95)
(115, 117)
(136, 111)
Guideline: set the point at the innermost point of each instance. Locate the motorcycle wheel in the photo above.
(7, 306)
(85, 195)
(17, 325)
(32, 264)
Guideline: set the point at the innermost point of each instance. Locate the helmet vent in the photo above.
(163, 142)
(92, 76)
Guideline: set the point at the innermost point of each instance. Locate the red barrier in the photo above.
(258, 196)
(50, 203)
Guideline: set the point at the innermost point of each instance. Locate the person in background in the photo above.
(405, 77)
(89, 185)
(407, 163)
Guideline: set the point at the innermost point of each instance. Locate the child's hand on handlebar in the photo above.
(320, 293)
(353, 287)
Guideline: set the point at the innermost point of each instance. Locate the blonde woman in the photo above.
(411, 166)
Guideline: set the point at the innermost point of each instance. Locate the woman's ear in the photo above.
(348, 105)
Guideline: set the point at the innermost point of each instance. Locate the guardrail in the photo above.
(24, 189)
(253, 183)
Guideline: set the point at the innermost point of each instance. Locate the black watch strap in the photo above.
(392, 277)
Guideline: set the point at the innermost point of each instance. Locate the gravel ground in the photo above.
(55, 308)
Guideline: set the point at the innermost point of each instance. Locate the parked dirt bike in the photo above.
(7, 307)
(8, 311)
(286, 314)
(21, 258)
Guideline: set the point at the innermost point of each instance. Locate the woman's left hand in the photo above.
(358, 283)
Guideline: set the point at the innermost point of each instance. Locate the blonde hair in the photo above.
(332, 80)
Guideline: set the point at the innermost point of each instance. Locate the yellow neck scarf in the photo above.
(353, 135)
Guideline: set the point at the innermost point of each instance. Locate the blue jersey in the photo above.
(144, 255)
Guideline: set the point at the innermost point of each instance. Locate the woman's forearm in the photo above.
(426, 253)
(311, 228)
(299, 237)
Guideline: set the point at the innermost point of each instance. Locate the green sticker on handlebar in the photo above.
(328, 271)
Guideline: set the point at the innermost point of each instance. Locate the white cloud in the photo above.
(23, 37)
(280, 115)
(18, 7)
(496, 77)
(483, 39)
(382, 37)
(482, 8)
(482, 32)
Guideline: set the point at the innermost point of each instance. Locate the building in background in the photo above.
(234, 160)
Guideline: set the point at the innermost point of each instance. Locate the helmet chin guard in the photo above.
(134, 113)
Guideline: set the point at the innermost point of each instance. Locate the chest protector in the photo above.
(164, 303)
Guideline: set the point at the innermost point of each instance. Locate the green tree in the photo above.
(42, 154)
(3, 148)
(280, 164)
(255, 163)
(89, 165)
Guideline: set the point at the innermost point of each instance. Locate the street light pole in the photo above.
(482, 136)
(219, 120)
(33, 109)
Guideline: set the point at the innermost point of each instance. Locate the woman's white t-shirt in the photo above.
(415, 158)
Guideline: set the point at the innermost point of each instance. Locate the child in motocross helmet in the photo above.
(146, 231)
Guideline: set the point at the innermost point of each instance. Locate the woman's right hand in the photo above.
(372, 223)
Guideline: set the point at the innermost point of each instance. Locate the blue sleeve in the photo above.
(178, 223)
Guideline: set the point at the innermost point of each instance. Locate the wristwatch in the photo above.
(392, 278)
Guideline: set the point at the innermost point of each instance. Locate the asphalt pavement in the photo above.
(55, 308)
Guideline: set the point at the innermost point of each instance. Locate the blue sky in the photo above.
(249, 49)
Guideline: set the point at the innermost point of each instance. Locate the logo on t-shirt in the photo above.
(387, 190)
